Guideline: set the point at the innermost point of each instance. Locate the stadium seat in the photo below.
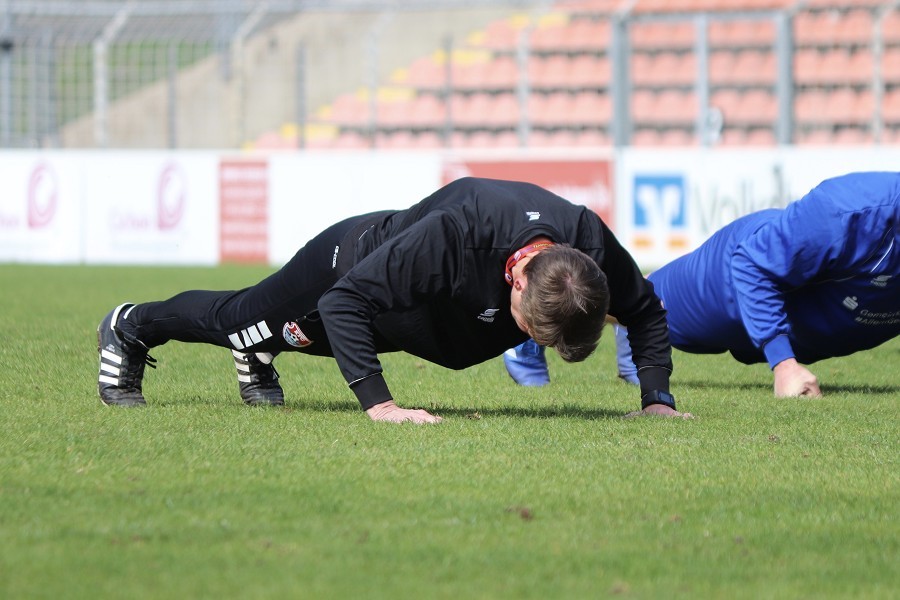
(754, 67)
(855, 136)
(758, 106)
(552, 109)
(558, 138)
(807, 66)
(840, 106)
(503, 73)
(740, 33)
(586, 71)
(814, 137)
(810, 106)
(677, 137)
(351, 140)
(729, 102)
(427, 73)
(645, 137)
(890, 107)
(721, 67)
(549, 73)
(427, 110)
(890, 27)
(587, 35)
(760, 137)
(503, 111)
(643, 105)
(591, 109)
(592, 138)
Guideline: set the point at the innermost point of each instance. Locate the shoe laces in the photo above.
(146, 359)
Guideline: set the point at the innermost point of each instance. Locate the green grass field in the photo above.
(520, 493)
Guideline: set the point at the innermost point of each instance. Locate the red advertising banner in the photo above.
(244, 211)
(588, 182)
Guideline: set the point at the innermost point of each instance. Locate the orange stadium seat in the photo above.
(890, 65)
(676, 69)
(840, 106)
(503, 110)
(591, 109)
(641, 66)
(814, 137)
(350, 109)
(760, 137)
(550, 72)
(503, 72)
(393, 112)
(810, 106)
(852, 136)
(675, 106)
(351, 140)
(861, 67)
(808, 66)
(729, 102)
(551, 37)
(721, 67)
(890, 27)
(428, 140)
(758, 106)
(592, 138)
(470, 110)
(864, 107)
(643, 105)
(558, 138)
(890, 106)
(427, 73)
(754, 67)
(552, 109)
(501, 35)
(589, 71)
(677, 137)
(427, 110)
(645, 137)
(741, 33)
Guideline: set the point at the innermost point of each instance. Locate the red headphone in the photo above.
(519, 255)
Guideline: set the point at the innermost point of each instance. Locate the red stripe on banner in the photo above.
(243, 211)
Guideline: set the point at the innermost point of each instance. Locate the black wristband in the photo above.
(658, 397)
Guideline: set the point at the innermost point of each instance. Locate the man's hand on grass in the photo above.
(388, 411)
(793, 379)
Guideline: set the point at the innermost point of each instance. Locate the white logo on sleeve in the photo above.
(488, 315)
(881, 281)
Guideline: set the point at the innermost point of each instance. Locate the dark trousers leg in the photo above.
(261, 318)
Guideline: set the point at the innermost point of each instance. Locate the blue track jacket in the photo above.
(817, 279)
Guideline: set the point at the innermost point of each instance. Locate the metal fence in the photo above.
(221, 74)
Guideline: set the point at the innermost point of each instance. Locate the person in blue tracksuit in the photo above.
(815, 280)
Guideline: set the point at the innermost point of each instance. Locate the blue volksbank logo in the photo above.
(660, 220)
(660, 202)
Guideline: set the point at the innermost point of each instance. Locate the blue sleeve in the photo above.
(825, 235)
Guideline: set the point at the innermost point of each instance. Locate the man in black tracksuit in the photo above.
(428, 280)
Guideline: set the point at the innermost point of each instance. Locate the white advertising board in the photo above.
(152, 208)
(669, 201)
(41, 208)
(310, 191)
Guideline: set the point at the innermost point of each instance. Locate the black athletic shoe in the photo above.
(122, 360)
(258, 379)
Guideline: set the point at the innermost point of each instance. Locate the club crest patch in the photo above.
(293, 335)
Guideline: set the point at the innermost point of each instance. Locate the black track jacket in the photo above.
(429, 280)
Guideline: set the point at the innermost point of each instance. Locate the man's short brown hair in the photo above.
(565, 301)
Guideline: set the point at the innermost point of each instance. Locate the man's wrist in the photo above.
(658, 397)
